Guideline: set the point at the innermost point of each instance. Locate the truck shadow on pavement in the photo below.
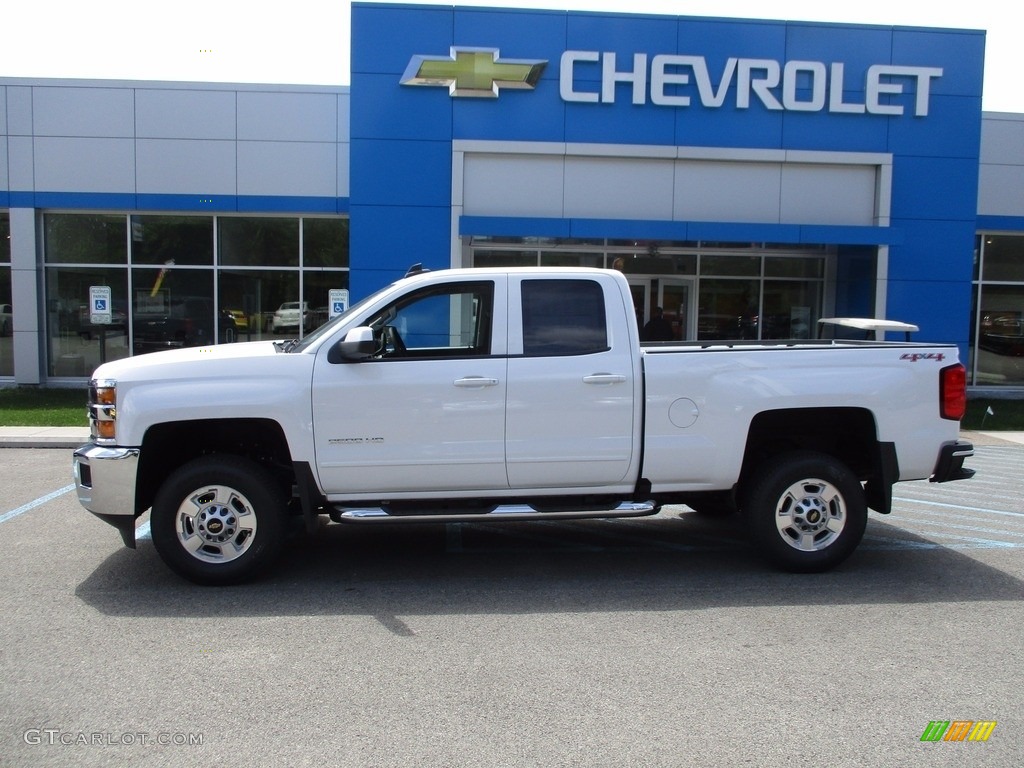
(676, 561)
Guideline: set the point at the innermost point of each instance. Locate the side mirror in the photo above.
(357, 345)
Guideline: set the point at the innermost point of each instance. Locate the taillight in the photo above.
(953, 392)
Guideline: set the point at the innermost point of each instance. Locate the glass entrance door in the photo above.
(674, 297)
(640, 289)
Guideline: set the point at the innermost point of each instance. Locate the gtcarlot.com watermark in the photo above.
(56, 737)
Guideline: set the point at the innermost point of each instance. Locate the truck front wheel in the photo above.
(218, 520)
(806, 511)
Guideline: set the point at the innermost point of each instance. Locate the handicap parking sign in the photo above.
(99, 305)
(338, 298)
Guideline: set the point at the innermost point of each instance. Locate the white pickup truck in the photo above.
(511, 394)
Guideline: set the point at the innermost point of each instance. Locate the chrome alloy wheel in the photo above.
(810, 515)
(215, 524)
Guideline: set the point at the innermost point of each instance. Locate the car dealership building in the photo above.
(750, 177)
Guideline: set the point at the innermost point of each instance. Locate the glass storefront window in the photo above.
(745, 266)
(999, 353)
(173, 308)
(655, 263)
(76, 346)
(178, 294)
(727, 309)
(74, 238)
(1004, 258)
(251, 298)
(317, 287)
(793, 267)
(790, 309)
(5, 238)
(547, 242)
(6, 308)
(185, 240)
(496, 258)
(997, 311)
(258, 241)
(746, 290)
(571, 259)
(325, 243)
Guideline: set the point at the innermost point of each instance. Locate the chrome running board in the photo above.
(501, 513)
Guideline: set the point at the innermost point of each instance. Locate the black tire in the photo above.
(219, 520)
(805, 511)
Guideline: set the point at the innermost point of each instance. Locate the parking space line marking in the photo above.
(927, 517)
(38, 502)
(971, 541)
(959, 506)
(142, 532)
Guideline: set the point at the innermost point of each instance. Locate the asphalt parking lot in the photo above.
(653, 642)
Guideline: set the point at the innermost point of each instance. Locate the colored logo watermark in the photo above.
(958, 730)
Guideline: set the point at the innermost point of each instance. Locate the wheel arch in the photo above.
(848, 434)
(170, 445)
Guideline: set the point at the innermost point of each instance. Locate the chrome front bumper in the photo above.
(105, 482)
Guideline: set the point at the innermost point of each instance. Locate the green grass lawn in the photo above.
(1006, 415)
(42, 407)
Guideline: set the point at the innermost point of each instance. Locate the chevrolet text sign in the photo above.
(798, 86)
(672, 80)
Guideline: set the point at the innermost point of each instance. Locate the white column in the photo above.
(29, 346)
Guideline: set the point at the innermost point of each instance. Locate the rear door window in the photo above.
(563, 317)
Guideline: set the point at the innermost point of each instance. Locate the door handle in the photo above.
(604, 378)
(475, 382)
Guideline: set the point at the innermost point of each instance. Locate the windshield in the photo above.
(331, 324)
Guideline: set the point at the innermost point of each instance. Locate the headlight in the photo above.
(103, 410)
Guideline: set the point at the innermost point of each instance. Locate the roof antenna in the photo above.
(416, 269)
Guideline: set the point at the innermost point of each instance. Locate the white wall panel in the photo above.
(1001, 174)
(344, 117)
(95, 112)
(727, 191)
(618, 188)
(1002, 139)
(167, 166)
(4, 185)
(1001, 190)
(287, 168)
(85, 165)
(828, 194)
(19, 110)
(579, 183)
(287, 116)
(169, 114)
(513, 185)
(343, 170)
(20, 166)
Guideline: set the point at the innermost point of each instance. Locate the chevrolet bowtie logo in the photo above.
(473, 72)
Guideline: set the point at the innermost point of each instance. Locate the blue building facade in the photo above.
(687, 136)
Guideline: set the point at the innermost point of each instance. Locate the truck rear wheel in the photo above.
(218, 520)
(806, 511)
